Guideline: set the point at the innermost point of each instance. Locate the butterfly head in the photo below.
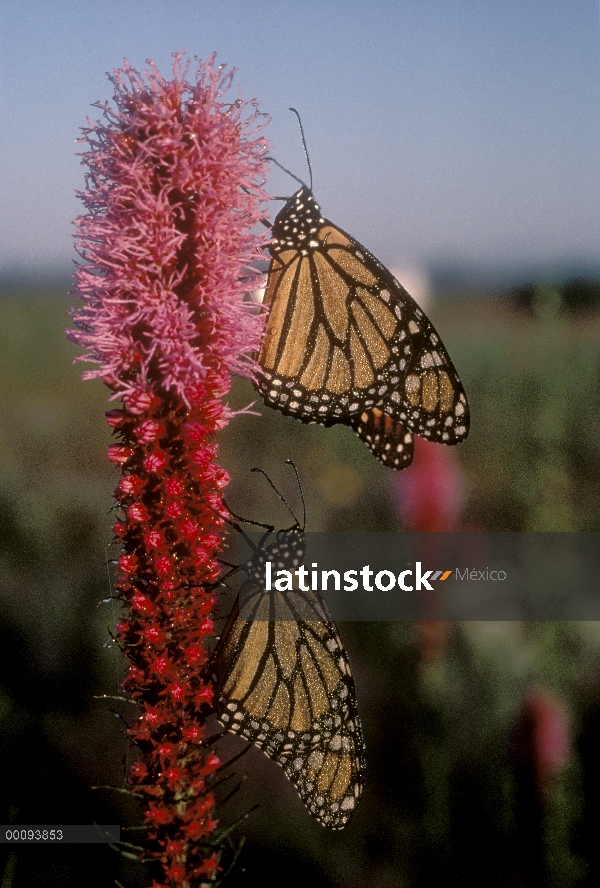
(286, 552)
(297, 222)
(292, 538)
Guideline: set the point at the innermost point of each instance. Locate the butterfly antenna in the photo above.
(285, 170)
(288, 507)
(304, 143)
(289, 462)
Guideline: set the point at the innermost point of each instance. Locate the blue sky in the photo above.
(440, 131)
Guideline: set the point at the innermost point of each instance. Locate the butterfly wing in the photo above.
(344, 337)
(286, 686)
(387, 438)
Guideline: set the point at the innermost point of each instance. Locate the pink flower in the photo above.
(173, 194)
(428, 498)
(539, 745)
(548, 720)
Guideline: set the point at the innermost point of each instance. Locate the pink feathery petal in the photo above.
(168, 245)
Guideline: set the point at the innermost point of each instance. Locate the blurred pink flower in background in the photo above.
(428, 496)
(428, 499)
(539, 746)
(544, 720)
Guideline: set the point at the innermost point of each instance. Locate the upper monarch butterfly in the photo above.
(286, 685)
(345, 342)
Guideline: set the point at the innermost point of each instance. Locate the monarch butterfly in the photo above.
(286, 685)
(345, 342)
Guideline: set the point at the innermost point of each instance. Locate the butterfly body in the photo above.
(346, 343)
(285, 685)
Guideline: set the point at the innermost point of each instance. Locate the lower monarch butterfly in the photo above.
(286, 686)
(345, 342)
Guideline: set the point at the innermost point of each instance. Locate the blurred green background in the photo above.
(481, 737)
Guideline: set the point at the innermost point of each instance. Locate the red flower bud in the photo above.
(174, 510)
(153, 635)
(138, 770)
(128, 563)
(194, 734)
(196, 431)
(131, 484)
(115, 418)
(194, 653)
(213, 412)
(196, 393)
(172, 774)
(119, 529)
(211, 540)
(189, 528)
(163, 566)
(222, 478)
(138, 402)
(162, 665)
(202, 456)
(154, 539)
(148, 431)
(119, 455)
(154, 462)
(201, 556)
(137, 512)
(174, 487)
(141, 603)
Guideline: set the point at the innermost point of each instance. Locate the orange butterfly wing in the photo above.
(343, 337)
(285, 685)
